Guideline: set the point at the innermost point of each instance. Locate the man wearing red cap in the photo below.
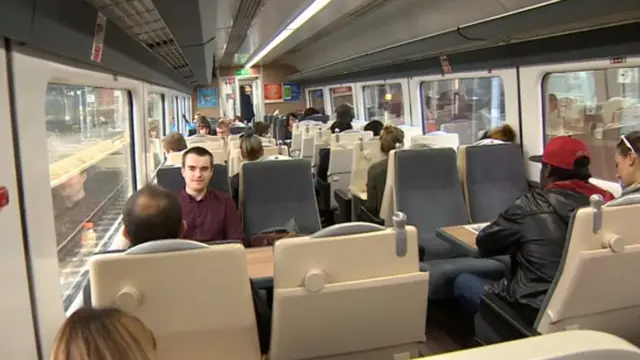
(533, 231)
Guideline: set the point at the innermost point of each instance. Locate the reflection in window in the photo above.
(155, 117)
(89, 167)
(467, 107)
(317, 99)
(341, 95)
(595, 106)
(384, 102)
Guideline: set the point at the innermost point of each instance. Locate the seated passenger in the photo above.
(203, 126)
(250, 150)
(103, 334)
(223, 127)
(291, 119)
(533, 231)
(627, 165)
(504, 133)
(261, 129)
(310, 112)
(237, 121)
(377, 173)
(174, 142)
(153, 213)
(344, 116)
(210, 215)
(375, 126)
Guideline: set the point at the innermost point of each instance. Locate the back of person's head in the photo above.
(261, 128)
(103, 334)
(389, 137)
(502, 133)
(310, 112)
(251, 146)
(344, 113)
(152, 213)
(341, 126)
(242, 89)
(375, 126)
(174, 142)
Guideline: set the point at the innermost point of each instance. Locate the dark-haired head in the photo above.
(310, 112)
(203, 125)
(344, 113)
(626, 158)
(152, 213)
(564, 158)
(550, 174)
(251, 146)
(375, 126)
(341, 126)
(197, 169)
(261, 128)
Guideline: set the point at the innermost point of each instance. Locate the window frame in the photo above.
(325, 98)
(406, 97)
(354, 97)
(31, 75)
(533, 104)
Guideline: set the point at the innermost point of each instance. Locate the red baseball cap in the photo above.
(562, 152)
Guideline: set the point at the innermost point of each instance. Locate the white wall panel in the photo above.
(17, 335)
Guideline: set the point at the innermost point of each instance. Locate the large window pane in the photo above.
(384, 102)
(89, 166)
(595, 106)
(155, 117)
(317, 99)
(341, 95)
(467, 107)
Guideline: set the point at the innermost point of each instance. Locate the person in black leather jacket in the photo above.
(533, 230)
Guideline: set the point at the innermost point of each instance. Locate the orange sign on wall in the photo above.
(273, 93)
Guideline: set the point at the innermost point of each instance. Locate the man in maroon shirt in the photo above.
(210, 215)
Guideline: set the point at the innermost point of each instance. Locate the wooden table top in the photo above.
(463, 235)
(260, 262)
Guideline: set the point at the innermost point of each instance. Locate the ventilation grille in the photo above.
(247, 11)
(337, 25)
(140, 19)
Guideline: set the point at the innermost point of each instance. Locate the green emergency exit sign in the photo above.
(243, 72)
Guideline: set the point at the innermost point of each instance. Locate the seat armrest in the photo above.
(503, 319)
(344, 206)
(366, 216)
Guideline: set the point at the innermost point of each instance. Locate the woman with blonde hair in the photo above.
(500, 134)
(251, 149)
(103, 334)
(390, 136)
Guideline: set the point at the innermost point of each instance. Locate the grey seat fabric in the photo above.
(428, 191)
(171, 178)
(274, 192)
(495, 179)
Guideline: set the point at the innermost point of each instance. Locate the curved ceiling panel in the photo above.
(274, 16)
(397, 22)
(336, 15)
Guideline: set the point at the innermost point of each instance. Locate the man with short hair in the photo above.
(209, 215)
(153, 213)
(533, 231)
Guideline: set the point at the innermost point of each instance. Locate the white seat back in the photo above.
(352, 310)
(567, 345)
(601, 257)
(364, 153)
(192, 316)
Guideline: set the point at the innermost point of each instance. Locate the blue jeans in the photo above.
(468, 290)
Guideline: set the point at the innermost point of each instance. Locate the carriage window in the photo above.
(89, 153)
(316, 97)
(384, 102)
(155, 117)
(467, 107)
(595, 106)
(340, 96)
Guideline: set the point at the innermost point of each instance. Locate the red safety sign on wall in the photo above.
(4, 197)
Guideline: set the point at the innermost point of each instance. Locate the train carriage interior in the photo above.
(391, 172)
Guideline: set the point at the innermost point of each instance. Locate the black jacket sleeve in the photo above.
(372, 192)
(263, 318)
(234, 183)
(323, 164)
(502, 235)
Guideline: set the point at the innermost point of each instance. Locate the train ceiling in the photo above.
(195, 36)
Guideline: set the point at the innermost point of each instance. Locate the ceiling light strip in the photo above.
(304, 16)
